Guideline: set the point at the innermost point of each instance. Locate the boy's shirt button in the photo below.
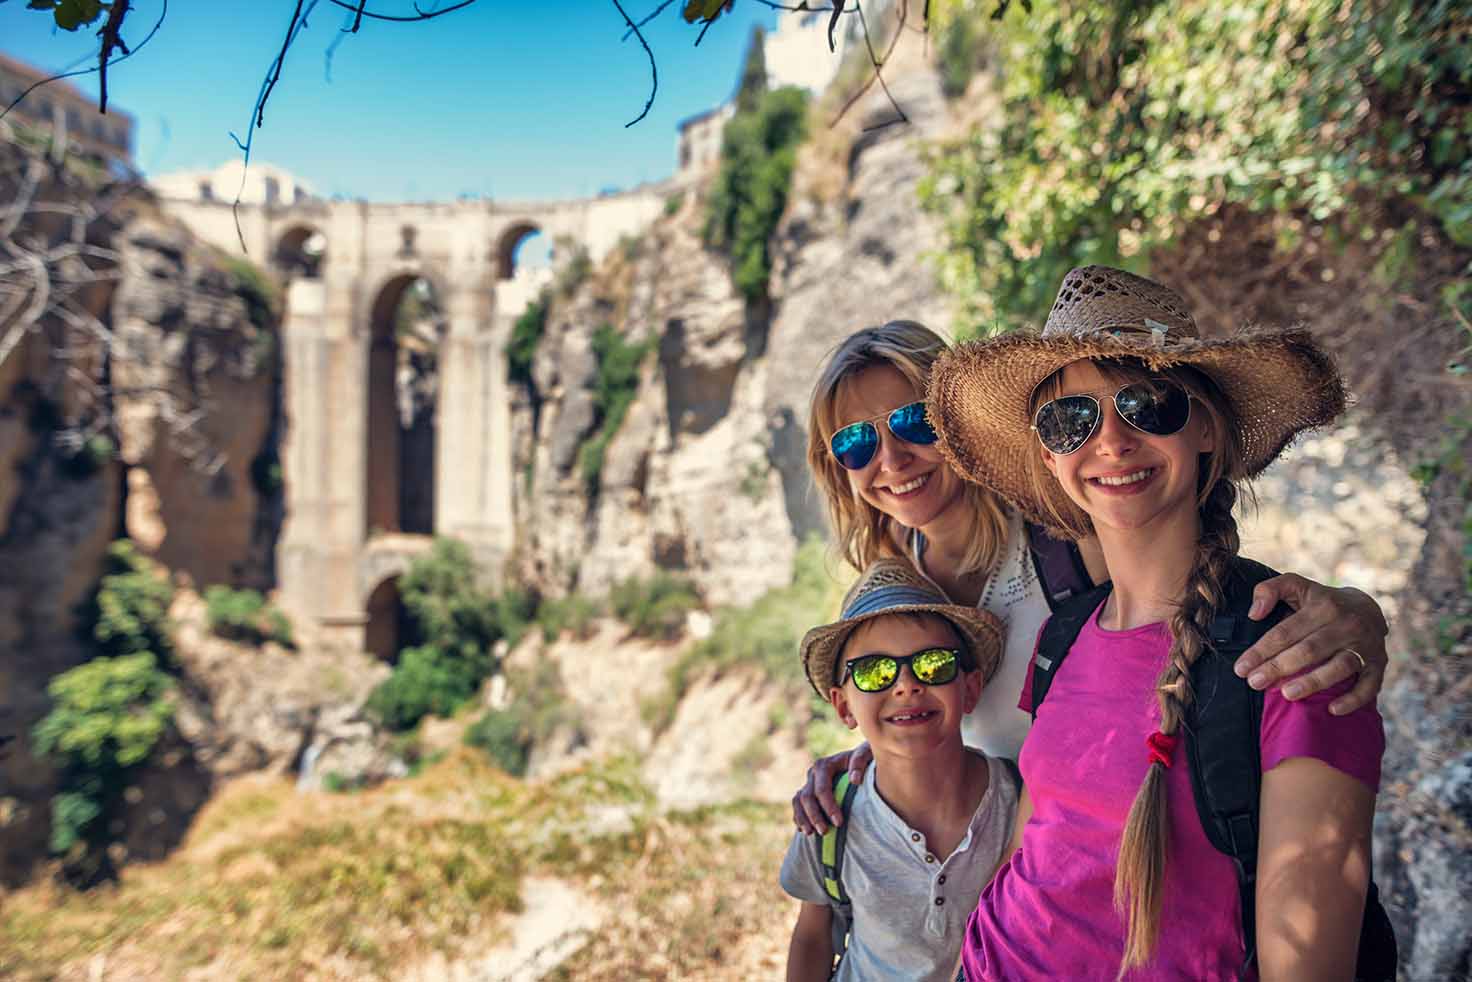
(940, 901)
(914, 836)
(941, 879)
(930, 859)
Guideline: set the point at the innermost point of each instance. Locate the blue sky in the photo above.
(524, 99)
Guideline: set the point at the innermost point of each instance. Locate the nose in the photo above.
(907, 682)
(893, 454)
(1115, 437)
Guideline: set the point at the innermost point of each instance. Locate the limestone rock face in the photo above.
(196, 405)
(706, 475)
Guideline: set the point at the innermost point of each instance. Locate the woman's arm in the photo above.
(1313, 868)
(1318, 635)
(810, 954)
(813, 807)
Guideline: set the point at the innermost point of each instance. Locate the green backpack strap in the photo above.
(831, 850)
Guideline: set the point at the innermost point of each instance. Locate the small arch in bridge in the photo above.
(406, 328)
(301, 251)
(385, 631)
(521, 245)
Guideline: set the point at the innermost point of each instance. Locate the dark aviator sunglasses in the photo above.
(856, 444)
(1158, 407)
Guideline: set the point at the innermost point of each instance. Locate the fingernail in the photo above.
(1292, 691)
(1258, 680)
(1241, 668)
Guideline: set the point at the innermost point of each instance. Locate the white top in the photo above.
(909, 905)
(1014, 594)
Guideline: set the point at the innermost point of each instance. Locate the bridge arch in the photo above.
(406, 326)
(510, 241)
(301, 251)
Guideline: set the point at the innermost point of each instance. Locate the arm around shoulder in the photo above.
(1313, 870)
(810, 953)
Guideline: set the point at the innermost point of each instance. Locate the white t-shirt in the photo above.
(1014, 594)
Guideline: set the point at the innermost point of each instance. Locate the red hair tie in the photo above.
(1162, 747)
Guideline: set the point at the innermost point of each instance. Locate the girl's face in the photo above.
(909, 482)
(1122, 477)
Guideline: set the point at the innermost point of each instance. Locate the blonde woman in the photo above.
(1121, 423)
(889, 492)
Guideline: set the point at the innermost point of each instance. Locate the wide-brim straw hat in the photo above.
(893, 586)
(1278, 382)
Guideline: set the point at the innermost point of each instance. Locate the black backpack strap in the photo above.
(1057, 637)
(1059, 566)
(1013, 772)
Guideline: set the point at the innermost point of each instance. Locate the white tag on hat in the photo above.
(1158, 332)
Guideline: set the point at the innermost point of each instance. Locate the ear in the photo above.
(1048, 460)
(971, 690)
(1206, 439)
(839, 699)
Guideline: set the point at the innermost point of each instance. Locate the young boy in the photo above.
(928, 825)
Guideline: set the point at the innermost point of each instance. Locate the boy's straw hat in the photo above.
(1278, 382)
(893, 586)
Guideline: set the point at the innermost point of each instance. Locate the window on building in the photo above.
(273, 190)
(206, 191)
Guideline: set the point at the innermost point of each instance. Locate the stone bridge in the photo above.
(346, 265)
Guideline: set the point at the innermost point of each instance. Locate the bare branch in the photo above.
(127, 53)
(653, 68)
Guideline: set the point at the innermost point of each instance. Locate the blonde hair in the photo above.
(1139, 875)
(863, 533)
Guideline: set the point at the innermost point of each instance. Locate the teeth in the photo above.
(1134, 478)
(910, 716)
(909, 486)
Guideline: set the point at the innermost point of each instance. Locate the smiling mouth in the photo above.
(909, 486)
(1123, 480)
(917, 716)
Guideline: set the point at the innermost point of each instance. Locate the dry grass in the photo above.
(276, 884)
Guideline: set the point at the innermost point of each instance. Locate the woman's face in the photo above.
(1125, 478)
(909, 482)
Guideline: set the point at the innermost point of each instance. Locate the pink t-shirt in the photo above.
(1049, 911)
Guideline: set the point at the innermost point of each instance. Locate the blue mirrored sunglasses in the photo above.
(856, 444)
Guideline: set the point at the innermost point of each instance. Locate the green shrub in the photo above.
(106, 718)
(614, 388)
(574, 272)
(764, 634)
(758, 150)
(656, 607)
(255, 287)
(131, 606)
(526, 334)
(90, 457)
(1122, 123)
(500, 734)
(456, 625)
(265, 473)
(427, 681)
(244, 615)
(574, 613)
(674, 203)
(538, 709)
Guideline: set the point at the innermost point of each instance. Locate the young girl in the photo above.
(891, 494)
(1121, 422)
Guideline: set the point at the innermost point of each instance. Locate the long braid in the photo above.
(1140, 874)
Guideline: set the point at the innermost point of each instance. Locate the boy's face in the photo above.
(909, 718)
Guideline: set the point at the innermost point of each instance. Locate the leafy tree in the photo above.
(758, 151)
(656, 607)
(753, 84)
(526, 334)
(132, 605)
(107, 717)
(458, 625)
(1122, 123)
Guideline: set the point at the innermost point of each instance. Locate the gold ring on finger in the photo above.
(1359, 658)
